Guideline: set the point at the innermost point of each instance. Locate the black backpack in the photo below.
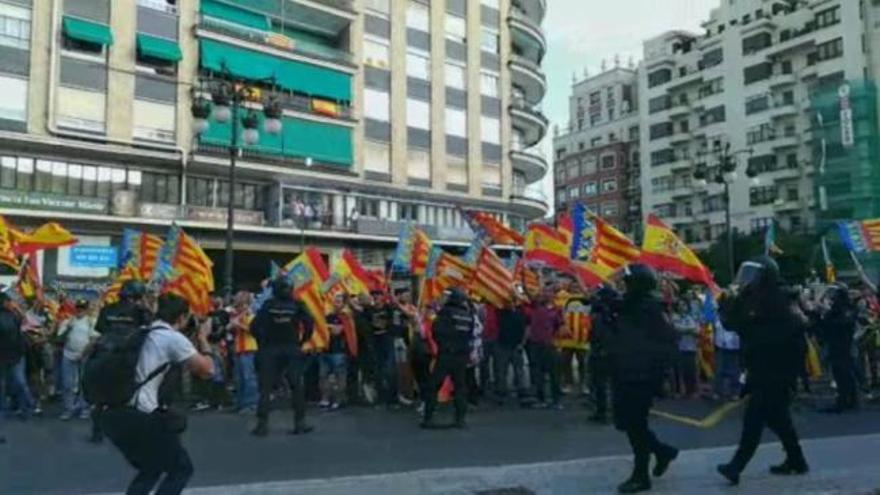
(108, 377)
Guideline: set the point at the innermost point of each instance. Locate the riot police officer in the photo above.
(453, 332)
(281, 327)
(603, 313)
(641, 346)
(128, 313)
(837, 328)
(771, 327)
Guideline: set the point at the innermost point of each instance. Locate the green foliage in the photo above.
(801, 254)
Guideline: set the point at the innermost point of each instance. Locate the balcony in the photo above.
(528, 76)
(329, 16)
(779, 80)
(276, 41)
(527, 35)
(530, 120)
(680, 138)
(534, 9)
(782, 110)
(529, 161)
(530, 204)
(789, 140)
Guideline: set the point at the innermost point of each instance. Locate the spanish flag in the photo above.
(324, 107)
(663, 250)
(351, 274)
(548, 246)
(46, 236)
(7, 255)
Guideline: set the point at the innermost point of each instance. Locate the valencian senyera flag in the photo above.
(308, 273)
(413, 249)
(663, 250)
(491, 229)
(860, 236)
(491, 280)
(598, 250)
(140, 250)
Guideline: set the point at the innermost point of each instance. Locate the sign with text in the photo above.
(94, 256)
(24, 199)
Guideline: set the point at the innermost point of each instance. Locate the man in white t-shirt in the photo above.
(146, 432)
(77, 333)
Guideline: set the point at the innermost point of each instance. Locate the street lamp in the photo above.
(725, 175)
(228, 97)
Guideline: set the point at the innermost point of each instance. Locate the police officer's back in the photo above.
(127, 313)
(281, 327)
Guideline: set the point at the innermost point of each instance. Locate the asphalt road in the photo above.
(46, 456)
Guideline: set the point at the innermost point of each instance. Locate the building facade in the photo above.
(787, 89)
(394, 111)
(596, 155)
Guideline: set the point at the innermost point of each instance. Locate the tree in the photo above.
(801, 254)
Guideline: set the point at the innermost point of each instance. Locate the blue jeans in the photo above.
(70, 389)
(386, 368)
(13, 379)
(726, 373)
(246, 391)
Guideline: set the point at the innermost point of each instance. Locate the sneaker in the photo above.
(324, 404)
(335, 406)
(66, 416)
(200, 406)
(403, 400)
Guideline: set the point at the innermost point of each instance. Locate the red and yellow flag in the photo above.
(7, 255)
(351, 274)
(491, 280)
(487, 226)
(308, 273)
(548, 246)
(531, 281)
(191, 288)
(575, 332)
(28, 284)
(46, 236)
(663, 250)
(599, 250)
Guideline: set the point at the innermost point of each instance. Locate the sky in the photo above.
(580, 33)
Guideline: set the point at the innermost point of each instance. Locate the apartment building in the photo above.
(393, 111)
(787, 90)
(596, 155)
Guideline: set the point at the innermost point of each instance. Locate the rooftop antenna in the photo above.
(616, 60)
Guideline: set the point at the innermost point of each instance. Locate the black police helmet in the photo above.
(759, 271)
(132, 289)
(456, 296)
(838, 293)
(281, 287)
(640, 279)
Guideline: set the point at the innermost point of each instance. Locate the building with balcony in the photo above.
(393, 112)
(596, 155)
(766, 77)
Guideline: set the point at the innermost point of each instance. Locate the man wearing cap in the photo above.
(77, 333)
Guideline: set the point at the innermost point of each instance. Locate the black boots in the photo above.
(790, 467)
(634, 484)
(664, 458)
(729, 472)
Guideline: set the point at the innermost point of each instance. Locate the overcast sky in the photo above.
(580, 33)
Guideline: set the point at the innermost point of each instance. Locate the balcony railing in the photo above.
(275, 40)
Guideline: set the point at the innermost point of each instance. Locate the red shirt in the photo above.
(544, 321)
(490, 324)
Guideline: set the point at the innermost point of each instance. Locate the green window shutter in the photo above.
(234, 14)
(321, 142)
(87, 31)
(288, 74)
(158, 48)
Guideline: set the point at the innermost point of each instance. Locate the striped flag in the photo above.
(860, 236)
(531, 282)
(413, 249)
(597, 248)
(111, 293)
(576, 330)
(308, 273)
(349, 272)
(7, 255)
(547, 246)
(487, 227)
(141, 250)
(491, 280)
(28, 284)
(183, 268)
(770, 246)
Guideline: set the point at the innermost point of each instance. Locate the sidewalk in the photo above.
(848, 465)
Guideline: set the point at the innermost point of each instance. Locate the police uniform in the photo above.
(837, 328)
(281, 326)
(771, 329)
(603, 314)
(453, 331)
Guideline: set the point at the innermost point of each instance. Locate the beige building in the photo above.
(394, 111)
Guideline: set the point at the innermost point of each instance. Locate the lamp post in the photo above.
(725, 175)
(228, 97)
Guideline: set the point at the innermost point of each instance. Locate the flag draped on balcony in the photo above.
(598, 250)
(663, 250)
(491, 229)
(413, 249)
(47, 236)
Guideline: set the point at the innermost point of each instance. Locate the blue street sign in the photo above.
(93, 256)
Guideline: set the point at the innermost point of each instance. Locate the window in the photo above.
(489, 84)
(757, 72)
(418, 163)
(491, 174)
(407, 212)
(418, 16)
(829, 50)
(792, 193)
(761, 133)
(490, 129)
(763, 163)
(488, 40)
(712, 87)
(755, 104)
(418, 114)
(15, 26)
(756, 43)
(713, 58)
(713, 116)
(377, 104)
(456, 122)
(608, 162)
(418, 65)
(762, 195)
(456, 76)
(377, 157)
(609, 209)
(659, 77)
(828, 17)
(662, 157)
(574, 169)
(609, 185)
(591, 189)
(661, 130)
(659, 104)
(456, 28)
(13, 98)
(376, 53)
(791, 160)
(368, 207)
(574, 192)
(378, 6)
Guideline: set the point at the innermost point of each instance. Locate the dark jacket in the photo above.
(454, 328)
(771, 327)
(511, 327)
(642, 343)
(282, 323)
(12, 341)
(837, 329)
(122, 316)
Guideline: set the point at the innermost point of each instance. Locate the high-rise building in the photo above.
(596, 156)
(394, 111)
(787, 90)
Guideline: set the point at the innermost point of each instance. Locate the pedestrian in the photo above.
(726, 386)
(281, 327)
(641, 347)
(211, 392)
(146, 431)
(37, 326)
(334, 361)
(453, 331)
(491, 328)
(573, 343)
(509, 349)
(121, 317)
(771, 325)
(385, 357)
(12, 356)
(604, 316)
(362, 376)
(545, 319)
(77, 333)
(837, 328)
(686, 368)
(244, 352)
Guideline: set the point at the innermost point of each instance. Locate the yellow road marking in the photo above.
(709, 421)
